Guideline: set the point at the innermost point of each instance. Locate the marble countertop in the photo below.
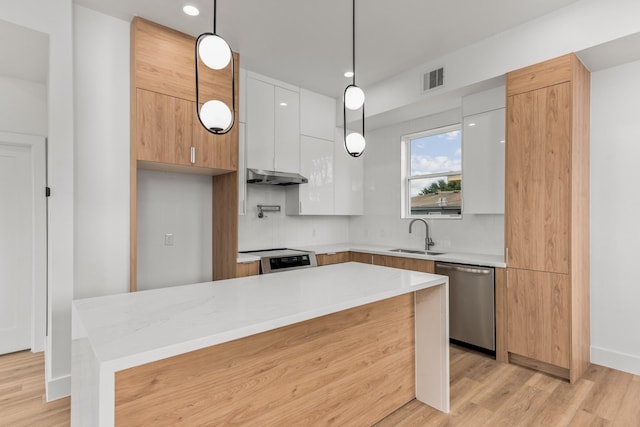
(455, 257)
(131, 329)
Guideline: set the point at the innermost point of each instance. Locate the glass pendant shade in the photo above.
(353, 97)
(216, 116)
(214, 52)
(355, 144)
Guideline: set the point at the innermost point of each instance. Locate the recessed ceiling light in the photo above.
(348, 73)
(502, 141)
(191, 10)
(283, 104)
(471, 124)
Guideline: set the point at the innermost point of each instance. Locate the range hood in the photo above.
(259, 176)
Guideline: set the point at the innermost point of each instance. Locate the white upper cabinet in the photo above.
(273, 126)
(348, 172)
(316, 164)
(317, 115)
(483, 152)
(287, 130)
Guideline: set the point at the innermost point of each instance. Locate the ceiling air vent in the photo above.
(433, 79)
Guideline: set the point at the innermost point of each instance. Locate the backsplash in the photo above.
(279, 230)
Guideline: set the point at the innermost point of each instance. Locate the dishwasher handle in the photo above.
(465, 269)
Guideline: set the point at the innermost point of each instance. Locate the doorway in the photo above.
(23, 256)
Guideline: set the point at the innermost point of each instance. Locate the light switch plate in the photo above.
(168, 239)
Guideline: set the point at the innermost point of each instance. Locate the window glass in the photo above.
(434, 180)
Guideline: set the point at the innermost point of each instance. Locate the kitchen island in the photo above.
(343, 344)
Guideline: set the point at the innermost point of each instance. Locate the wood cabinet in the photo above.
(245, 269)
(405, 263)
(547, 216)
(273, 125)
(332, 258)
(166, 134)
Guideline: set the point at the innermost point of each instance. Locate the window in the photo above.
(432, 173)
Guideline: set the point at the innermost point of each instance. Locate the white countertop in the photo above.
(455, 257)
(131, 329)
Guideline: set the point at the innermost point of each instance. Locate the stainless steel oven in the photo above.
(284, 259)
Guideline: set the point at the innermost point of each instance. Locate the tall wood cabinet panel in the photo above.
(167, 135)
(547, 216)
(538, 189)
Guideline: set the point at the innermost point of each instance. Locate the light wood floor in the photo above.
(22, 395)
(483, 393)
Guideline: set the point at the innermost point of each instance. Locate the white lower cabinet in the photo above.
(316, 164)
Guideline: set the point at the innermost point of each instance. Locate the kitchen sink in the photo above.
(417, 251)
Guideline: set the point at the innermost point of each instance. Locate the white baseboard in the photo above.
(616, 360)
(58, 388)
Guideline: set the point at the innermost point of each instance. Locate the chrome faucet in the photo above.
(427, 240)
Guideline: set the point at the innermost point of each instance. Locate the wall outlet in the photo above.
(168, 239)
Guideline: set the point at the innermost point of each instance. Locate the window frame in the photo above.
(406, 176)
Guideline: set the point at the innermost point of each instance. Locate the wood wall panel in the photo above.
(225, 225)
(501, 314)
(349, 368)
(580, 313)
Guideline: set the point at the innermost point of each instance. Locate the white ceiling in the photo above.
(308, 43)
(24, 53)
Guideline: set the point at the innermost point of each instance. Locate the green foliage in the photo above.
(441, 185)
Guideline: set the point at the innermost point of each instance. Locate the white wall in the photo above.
(178, 204)
(54, 17)
(23, 106)
(279, 230)
(615, 231)
(101, 54)
(382, 225)
(578, 26)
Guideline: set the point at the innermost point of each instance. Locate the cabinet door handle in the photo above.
(193, 155)
(300, 207)
(507, 279)
(506, 257)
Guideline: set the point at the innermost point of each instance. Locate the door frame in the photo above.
(39, 222)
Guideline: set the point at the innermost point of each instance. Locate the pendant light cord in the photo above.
(353, 39)
(215, 7)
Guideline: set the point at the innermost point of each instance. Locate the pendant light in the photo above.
(354, 142)
(215, 53)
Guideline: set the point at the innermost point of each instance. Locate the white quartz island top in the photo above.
(128, 330)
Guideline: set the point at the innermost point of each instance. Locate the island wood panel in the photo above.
(349, 368)
(361, 257)
(539, 179)
(500, 275)
(548, 73)
(539, 316)
(244, 269)
(580, 313)
(423, 265)
(334, 258)
(225, 225)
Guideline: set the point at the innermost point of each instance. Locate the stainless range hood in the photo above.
(259, 176)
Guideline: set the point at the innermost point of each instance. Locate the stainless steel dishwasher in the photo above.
(471, 305)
